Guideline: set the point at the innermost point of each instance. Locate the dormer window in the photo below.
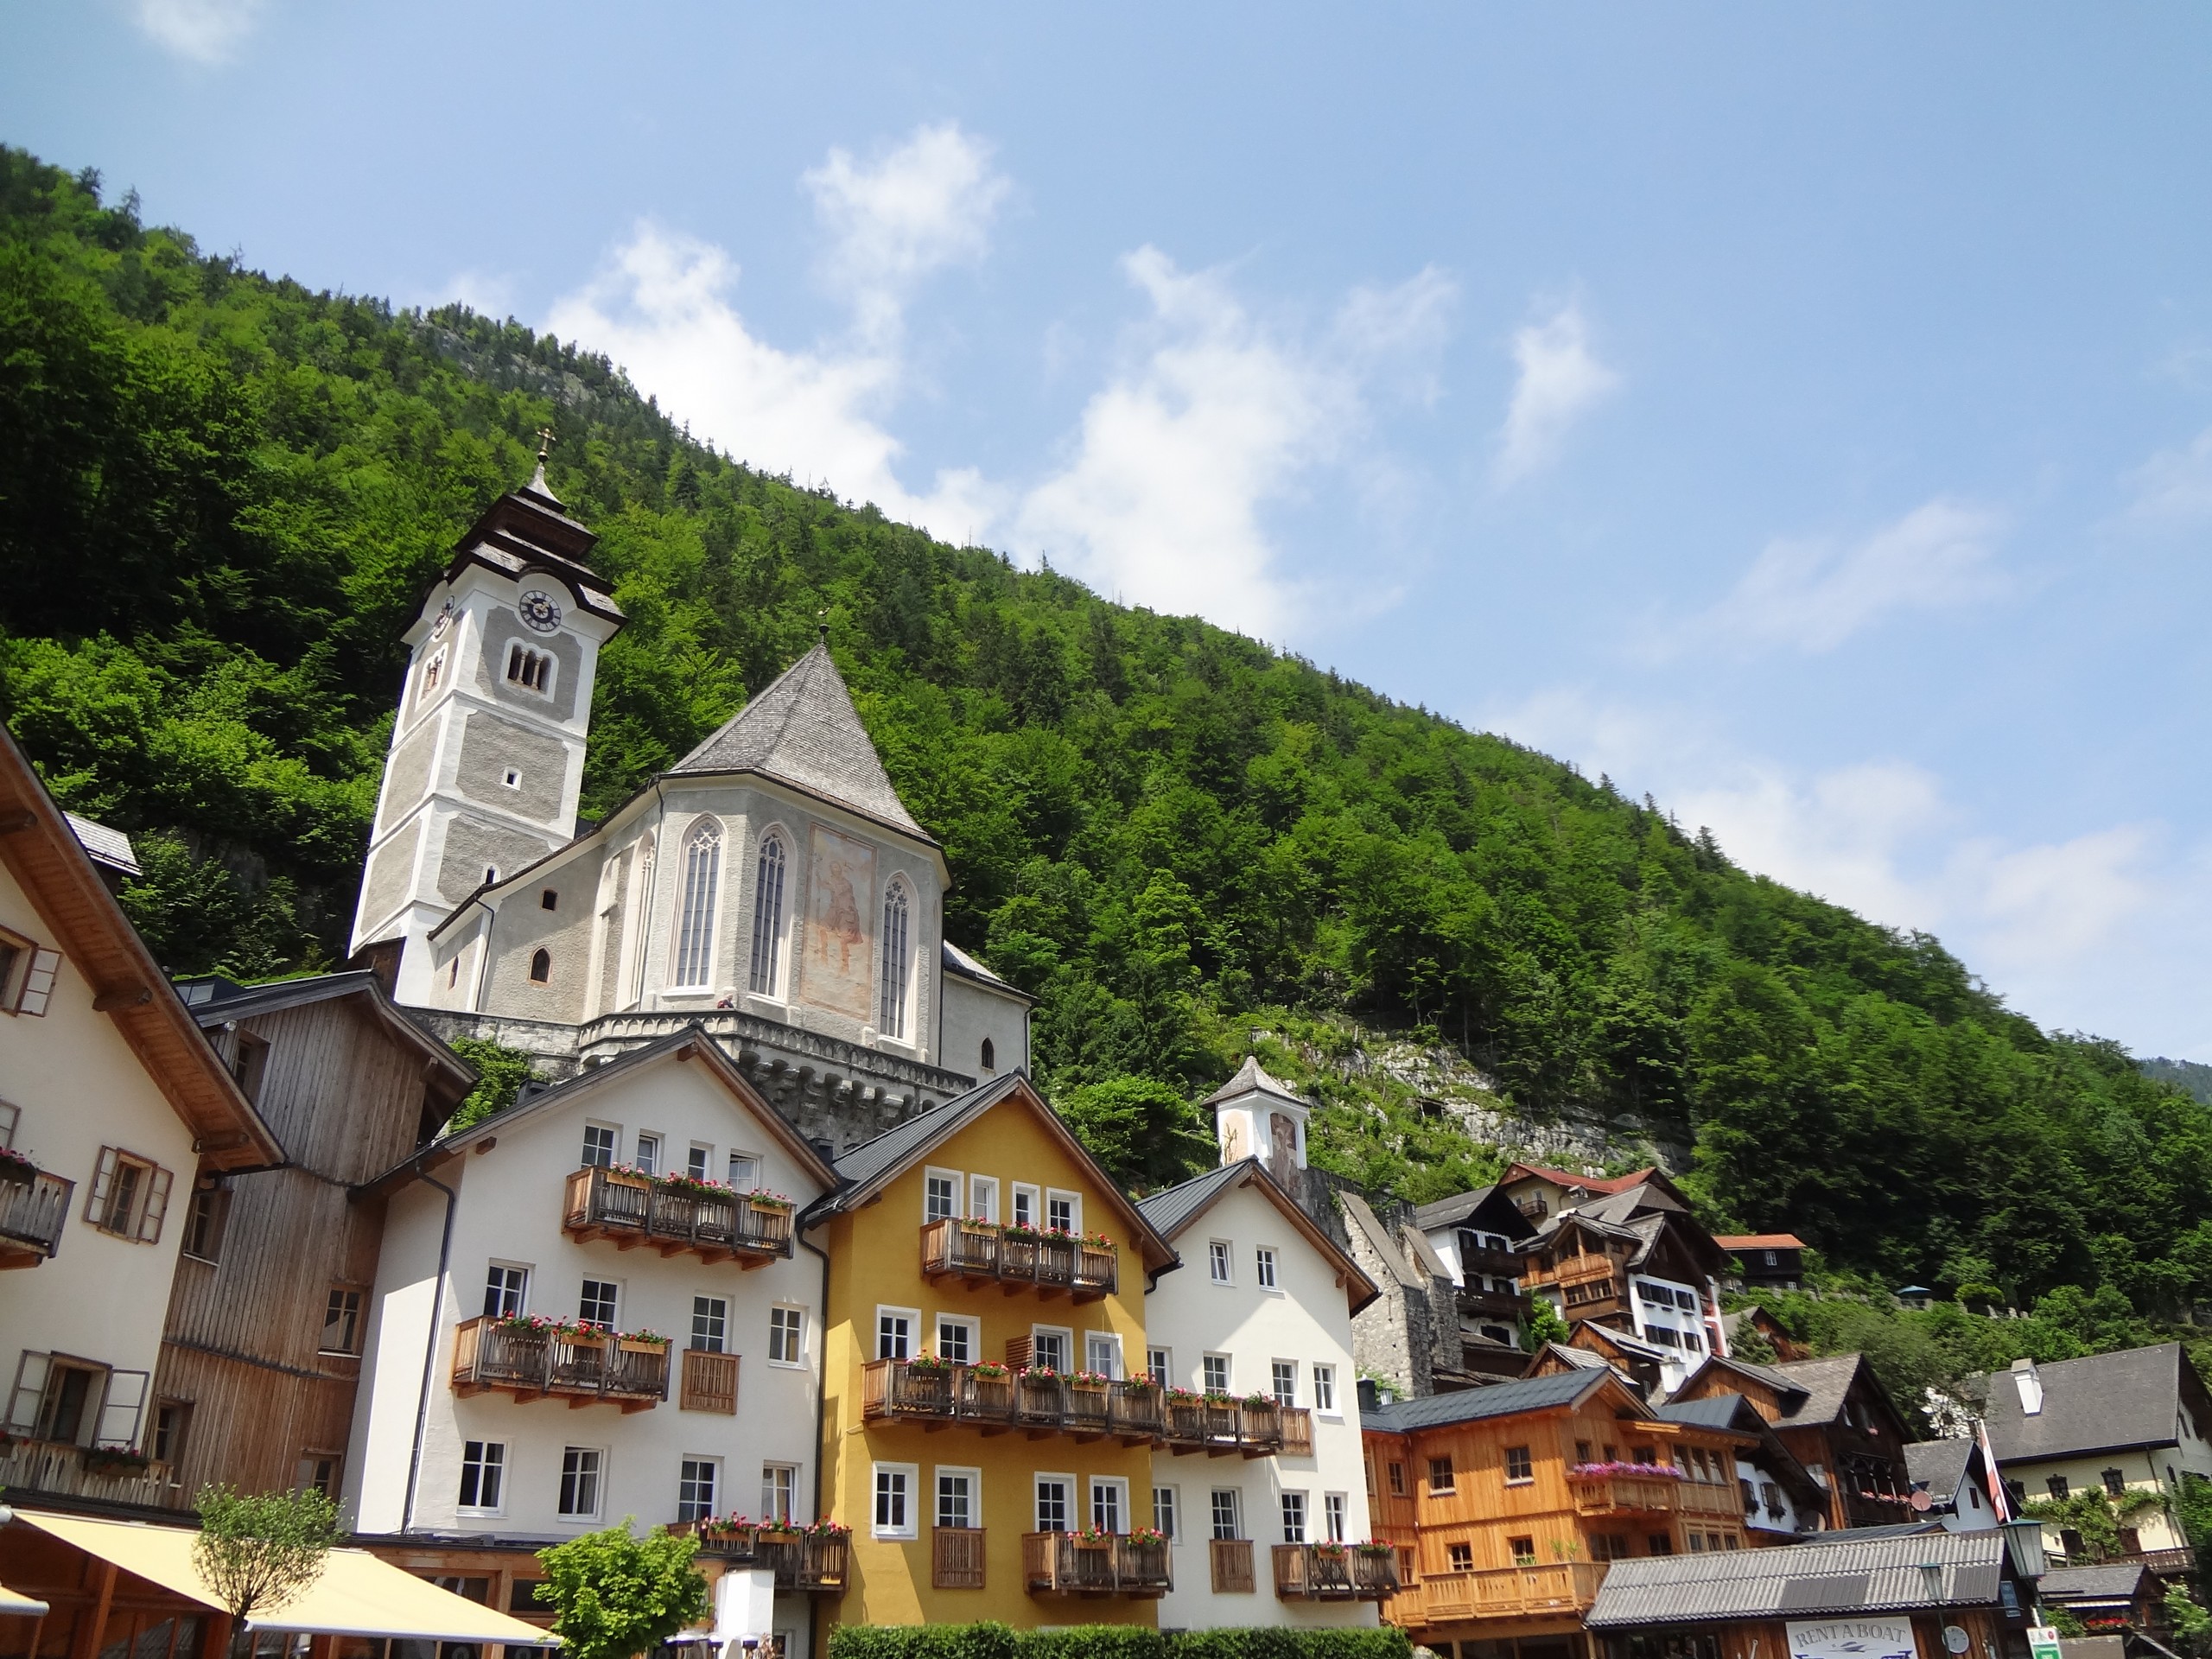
(531, 670)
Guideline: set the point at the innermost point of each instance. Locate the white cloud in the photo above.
(206, 31)
(2096, 931)
(2173, 489)
(1212, 417)
(662, 311)
(662, 308)
(1814, 594)
(1561, 380)
(924, 205)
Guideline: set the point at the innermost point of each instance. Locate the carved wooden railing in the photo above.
(631, 1208)
(1334, 1572)
(590, 1366)
(1066, 1564)
(982, 1252)
(32, 1214)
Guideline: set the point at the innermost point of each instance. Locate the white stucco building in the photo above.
(1261, 1305)
(112, 1109)
(615, 1202)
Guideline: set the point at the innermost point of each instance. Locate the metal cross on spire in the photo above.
(545, 441)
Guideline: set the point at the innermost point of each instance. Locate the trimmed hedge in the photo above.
(989, 1641)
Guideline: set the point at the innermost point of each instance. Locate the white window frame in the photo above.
(968, 1324)
(1264, 1268)
(984, 1198)
(773, 1498)
(615, 1320)
(1221, 1261)
(1035, 1206)
(1110, 1344)
(522, 1299)
(1235, 1497)
(756, 1178)
(498, 1465)
(1159, 1364)
(1118, 1485)
(614, 1153)
(974, 1476)
(1336, 1517)
(1227, 1372)
(716, 1499)
(646, 1153)
(721, 1336)
(1284, 1499)
(1167, 1516)
(699, 1160)
(1073, 1200)
(1274, 1381)
(1074, 1489)
(799, 1364)
(914, 1318)
(1325, 1403)
(909, 1527)
(953, 1209)
(580, 1517)
(1066, 1336)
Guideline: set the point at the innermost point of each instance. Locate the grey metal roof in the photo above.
(959, 962)
(802, 730)
(104, 846)
(2109, 1581)
(1499, 1399)
(1459, 1207)
(1941, 1464)
(1838, 1575)
(1252, 1076)
(2099, 1403)
(1714, 1411)
(895, 1147)
(1171, 1208)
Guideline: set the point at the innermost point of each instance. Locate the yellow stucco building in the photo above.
(988, 1419)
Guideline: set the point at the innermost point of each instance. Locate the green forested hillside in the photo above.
(220, 496)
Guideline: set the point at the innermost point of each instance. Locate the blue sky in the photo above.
(1803, 414)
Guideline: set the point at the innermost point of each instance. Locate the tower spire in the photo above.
(537, 486)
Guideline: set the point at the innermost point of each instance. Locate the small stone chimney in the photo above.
(2030, 1384)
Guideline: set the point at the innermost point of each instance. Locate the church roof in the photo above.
(1252, 1078)
(802, 730)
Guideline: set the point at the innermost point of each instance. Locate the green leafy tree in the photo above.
(258, 1551)
(1544, 1325)
(1146, 1134)
(500, 1073)
(616, 1595)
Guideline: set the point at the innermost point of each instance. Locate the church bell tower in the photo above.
(487, 754)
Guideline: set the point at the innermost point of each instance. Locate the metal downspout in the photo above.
(429, 1350)
(821, 1421)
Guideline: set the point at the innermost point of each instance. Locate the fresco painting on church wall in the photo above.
(838, 971)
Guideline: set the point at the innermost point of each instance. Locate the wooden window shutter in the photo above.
(102, 1186)
(38, 983)
(156, 1206)
(122, 1409)
(30, 1389)
(1020, 1351)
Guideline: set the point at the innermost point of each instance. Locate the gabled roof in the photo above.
(1498, 1400)
(1499, 1213)
(1569, 1178)
(215, 1001)
(1827, 1382)
(802, 730)
(1940, 1465)
(1758, 1241)
(99, 946)
(1734, 1413)
(1172, 1211)
(1823, 1576)
(2102, 1402)
(104, 846)
(2107, 1581)
(691, 1044)
(1253, 1077)
(874, 1164)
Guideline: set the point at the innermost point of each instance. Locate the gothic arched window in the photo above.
(694, 928)
(768, 914)
(540, 967)
(891, 1019)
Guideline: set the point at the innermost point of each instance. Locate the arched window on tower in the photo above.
(695, 931)
(891, 1018)
(768, 915)
(531, 670)
(540, 967)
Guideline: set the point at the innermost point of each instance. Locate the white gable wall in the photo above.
(1307, 1319)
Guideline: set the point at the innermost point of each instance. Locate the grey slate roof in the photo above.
(1250, 1076)
(1714, 1411)
(2109, 1581)
(1444, 1211)
(2096, 1404)
(1941, 1464)
(1845, 1574)
(104, 846)
(959, 962)
(1172, 1207)
(1499, 1399)
(894, 1148)
(802, 730)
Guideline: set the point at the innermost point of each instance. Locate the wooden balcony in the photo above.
(1334, 1572)
(1229, 1565)
(1219, 1428)
(31, 1216)
(800, 1559)
(1063, 1564)
(587, 1369)
(1493, 1304)
(31, 1469)
(1297, 1431)
(956, 1558)
(1620, 1494)
(633, 1210)
(1499, 1264)
(980, 1253)
(709, 1382)
(1499, 1593)
(939, 1395)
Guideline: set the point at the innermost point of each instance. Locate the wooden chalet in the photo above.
(1836, 1419)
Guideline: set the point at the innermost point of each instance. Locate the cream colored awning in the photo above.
(357, 1594)
(13, 1602)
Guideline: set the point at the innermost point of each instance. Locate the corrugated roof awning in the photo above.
(16, 1602)
(357, 1594)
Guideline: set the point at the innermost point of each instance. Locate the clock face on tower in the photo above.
(538, 612)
